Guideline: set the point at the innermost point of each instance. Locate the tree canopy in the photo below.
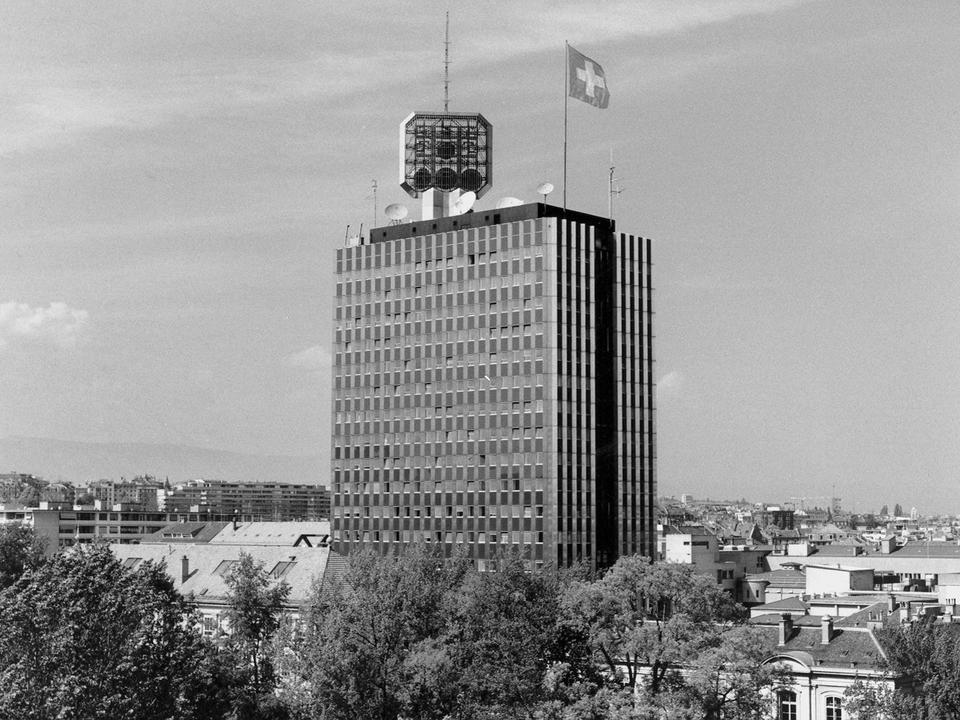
(417, 637)
(20, 549)
(927, 655)
(254, 615)
(421, 637)
(644, 618)
(83, 637)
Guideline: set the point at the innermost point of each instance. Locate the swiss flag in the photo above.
(586, 79)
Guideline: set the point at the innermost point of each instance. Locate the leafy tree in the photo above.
(83, 637)
(254, 614)
(884, 511)
(649, 617)
(366, 650)
(504, 638)
(29, 496)
(20, 549)
(597, 703)
(728, 681)
(925, 657)
(897, 510)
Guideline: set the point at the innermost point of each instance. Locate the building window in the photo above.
(786, 705)
(834, 709)
(210, 624)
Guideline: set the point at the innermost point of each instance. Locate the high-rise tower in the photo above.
(493, 375)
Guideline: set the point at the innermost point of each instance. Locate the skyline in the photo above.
(177, 178)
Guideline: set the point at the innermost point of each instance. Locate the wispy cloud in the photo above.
(57, 324)
(185, 64)
(315, 357)
(670, 384)
(597, 23)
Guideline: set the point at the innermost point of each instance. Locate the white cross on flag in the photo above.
(586, 79)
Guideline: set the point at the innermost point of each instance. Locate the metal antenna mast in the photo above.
(373, 184)
(612, 189)
(446, 67)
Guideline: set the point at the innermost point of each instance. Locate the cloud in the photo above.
(57, 324)
(110, 68)
(670, 384)
(597, 23)
(312, 358)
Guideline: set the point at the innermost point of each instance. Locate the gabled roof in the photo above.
(838, 550)
(940, 550)
(207, 564)
(849, 647)
(782, 577)
(849, 540)
(275, 533)
(191, 532)
(781, 606)
(862, 617)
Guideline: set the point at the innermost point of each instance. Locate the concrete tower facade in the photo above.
(493, 388)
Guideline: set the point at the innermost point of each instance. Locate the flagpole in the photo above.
(566, 88)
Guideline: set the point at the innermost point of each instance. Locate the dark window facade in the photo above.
(493, 389)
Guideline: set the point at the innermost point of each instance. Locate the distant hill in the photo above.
(79, 462)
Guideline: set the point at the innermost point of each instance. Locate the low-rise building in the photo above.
(143, 491)
(199, 556)
(61, 525)
(824, 658)
(781, 584)
(695, 545)
(271, 501)
(837, 579)
(914, 566)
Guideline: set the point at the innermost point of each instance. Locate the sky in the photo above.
(175, 177)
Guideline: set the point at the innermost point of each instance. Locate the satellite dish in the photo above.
(395, 211)
(544, 189)
(508, 201)
(464, 203)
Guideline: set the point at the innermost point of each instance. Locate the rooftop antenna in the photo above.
(446, 66)
(613, 190)
(373, 184)
(354, 240)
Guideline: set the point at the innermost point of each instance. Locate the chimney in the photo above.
(786, 628)
(826, 630)
(234, 520)
(184, 569)
(891, 603)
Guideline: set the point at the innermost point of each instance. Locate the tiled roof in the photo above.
(785, 605)
(849, 647)
(273, 533)
(914, 549)
(781, 578)
(207, 563)
(192, 532)
(835, 550)
(861, 617)
(849, 540)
